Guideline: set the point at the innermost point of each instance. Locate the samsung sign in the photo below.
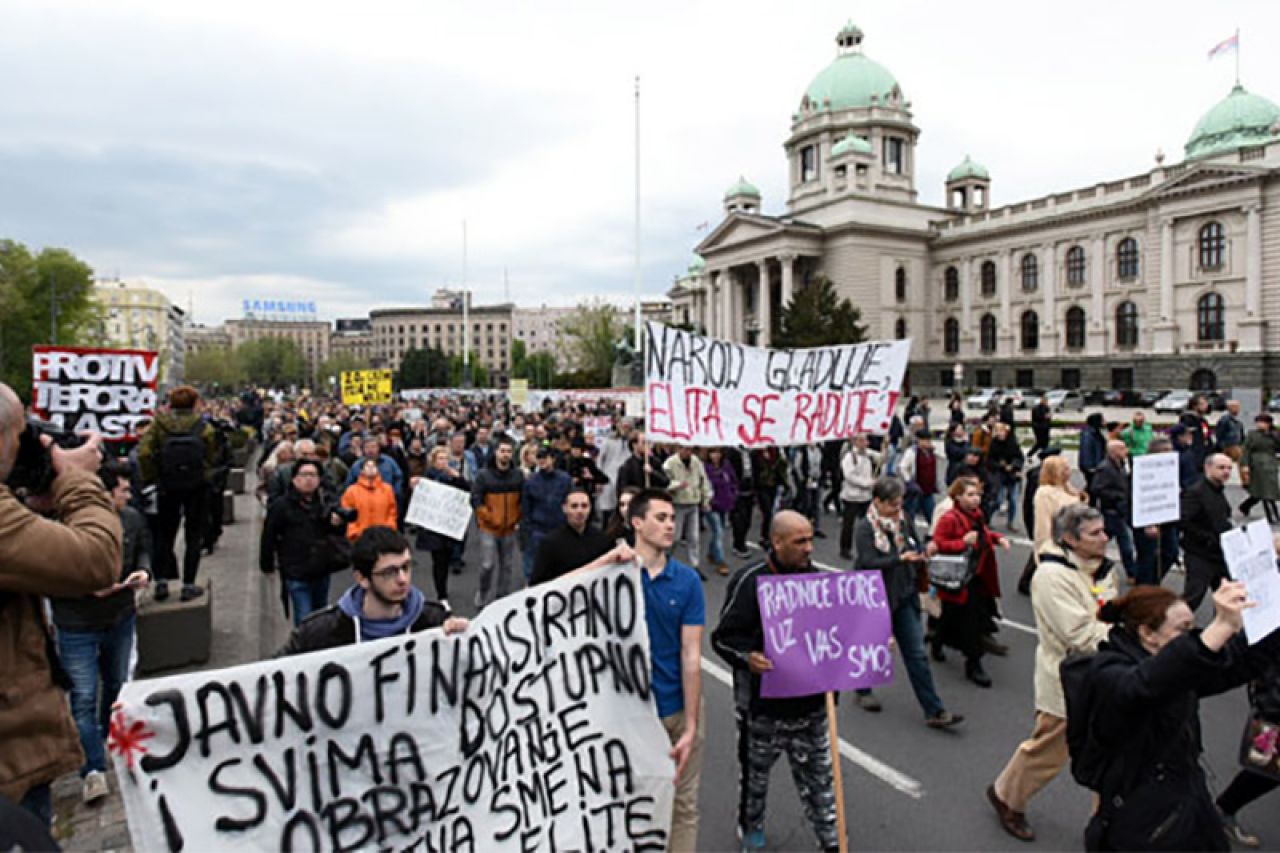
(262, 309)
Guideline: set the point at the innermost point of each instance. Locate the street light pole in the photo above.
(53, 309)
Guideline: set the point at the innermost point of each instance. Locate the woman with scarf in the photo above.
(884, 541)
(968, 614)
(441, 546)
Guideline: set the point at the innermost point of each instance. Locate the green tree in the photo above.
(424, 368)
(214, 367)
(337, 364)
(42, 298)
(274, 362)
(519, 353)
(594, 332)
(479, 374)
(817, 317)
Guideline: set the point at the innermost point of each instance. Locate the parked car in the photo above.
(1173, 402)
(1061, 400)
(982, 398)
(1273, 405)
(1095, 397)
(1147, 399)
(1121, 397)
(1025, 398)
(1217, 400)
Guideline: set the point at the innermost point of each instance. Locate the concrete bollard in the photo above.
(174, 633)
(235, 480)
(228, 507)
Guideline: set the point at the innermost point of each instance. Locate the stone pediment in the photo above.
(1203, 177)
(740, 229)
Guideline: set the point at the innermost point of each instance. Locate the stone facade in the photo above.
(137, 317)
(311, 336)
(398, 330)
(1165, 279)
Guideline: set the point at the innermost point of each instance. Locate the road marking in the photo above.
(892, 777)
(1018, 626)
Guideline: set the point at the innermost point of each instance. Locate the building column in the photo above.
(1250, 329)
(1096, 331)
(1004, 336)
(1049, 307)
(788, 282)
(966, 304)
(763, 312)
(1165, 333)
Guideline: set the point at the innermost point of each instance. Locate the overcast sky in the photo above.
(331, 151)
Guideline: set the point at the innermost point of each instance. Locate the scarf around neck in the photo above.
(888, 532)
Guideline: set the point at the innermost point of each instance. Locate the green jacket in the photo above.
(166, 424)
(1137, 439)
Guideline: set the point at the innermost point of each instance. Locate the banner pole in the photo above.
(837, 777)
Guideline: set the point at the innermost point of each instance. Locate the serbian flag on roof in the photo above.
(1225, 46)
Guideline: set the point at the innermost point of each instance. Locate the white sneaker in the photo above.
(444, 602)
(95, 786)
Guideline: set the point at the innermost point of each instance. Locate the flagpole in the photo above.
(1237, 56)
(636, 272)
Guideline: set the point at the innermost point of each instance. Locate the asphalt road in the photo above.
(906, 786)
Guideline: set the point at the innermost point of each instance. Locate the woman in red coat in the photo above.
(968, 613)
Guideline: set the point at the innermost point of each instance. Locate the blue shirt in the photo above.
(672, 600)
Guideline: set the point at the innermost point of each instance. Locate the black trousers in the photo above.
(853, 511)
(1244, 789)
(740, 519)
(1202, 576)
(440, 559)
(191, 507)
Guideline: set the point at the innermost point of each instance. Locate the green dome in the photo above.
(697, 265)
(852, 80)
(742, 187)
(851, 144)
(1239, 119)
(968, 169)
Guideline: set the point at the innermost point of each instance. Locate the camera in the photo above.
(33, 470)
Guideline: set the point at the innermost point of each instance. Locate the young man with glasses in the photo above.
(383, 603)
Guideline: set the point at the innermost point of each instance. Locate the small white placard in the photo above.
(1251, 558)
(1156, 491)
(439, 508)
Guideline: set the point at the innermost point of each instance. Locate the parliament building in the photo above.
(1165, 279)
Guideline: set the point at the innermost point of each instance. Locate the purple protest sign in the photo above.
(824, 631)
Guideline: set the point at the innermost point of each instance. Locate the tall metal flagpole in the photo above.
(466, 315)
(636, 340)
(1237, 56)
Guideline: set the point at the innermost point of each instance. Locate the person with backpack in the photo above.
(1073, 578)
(1137, 739)
(177, 456)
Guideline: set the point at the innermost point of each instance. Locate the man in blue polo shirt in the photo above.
(676, 613)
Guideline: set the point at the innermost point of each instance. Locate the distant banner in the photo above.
(827, 631)
(533, 730)
(707, 392)
(631, 399)
(366, 387)
(519, 392)
(439, 508)
(105, 390)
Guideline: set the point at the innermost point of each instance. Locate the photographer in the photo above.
(40, 557)
(304, 536)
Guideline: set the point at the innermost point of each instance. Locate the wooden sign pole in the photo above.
(836, 776)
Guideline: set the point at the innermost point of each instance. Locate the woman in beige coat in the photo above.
(1054, 493)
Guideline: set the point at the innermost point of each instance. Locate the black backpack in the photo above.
(1089, 758)
(182, 458)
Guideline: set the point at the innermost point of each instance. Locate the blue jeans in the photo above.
(908, 630)
(1120, 531)
(921, 505)
(88, 656)
(1008, 490)
(715, 547)
(39, 802)
(307, 596)
(531, 546)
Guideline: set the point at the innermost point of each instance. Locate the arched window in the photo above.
(900, 285)
(1126, 325)
(1127, 259)
(987, 333)
(951, 336)
(1204, 379)
(1030, 272)
(951, 284)
(1030, 331)
(988, 278)
(1211, 322)
(1213, 246)
(900, 328)
(1075, 327)
(1075, 266)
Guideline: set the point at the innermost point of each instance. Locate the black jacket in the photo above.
(899, 576)
(565, 549)
(294, 535)
(1206, 514)
(632, 474)
(741, 632)
(93, 613)
(1004, 458)
(1112, 489)
(330, 628)
(1147, 715)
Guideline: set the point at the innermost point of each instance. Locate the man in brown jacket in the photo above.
(39, 557)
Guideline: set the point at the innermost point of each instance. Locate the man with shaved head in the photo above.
(1206, 515)
(78, 555)
(1113, 492)
(796, 724)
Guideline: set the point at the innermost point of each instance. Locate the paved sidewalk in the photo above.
(247, 623)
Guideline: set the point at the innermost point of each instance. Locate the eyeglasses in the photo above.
(405, 569)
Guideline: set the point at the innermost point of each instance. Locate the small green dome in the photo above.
(968, 169)
(742, 187)
(851, 144)
(1241, 118)
(697, 266)
(852, 80)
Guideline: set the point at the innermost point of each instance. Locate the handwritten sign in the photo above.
(366, 387)
(104, 390)
(706, 392)
(439, 508)
(1156, 489)
(597, 426)
(533, 730)
(519, 392)
(1251, 558)
(824, 631)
